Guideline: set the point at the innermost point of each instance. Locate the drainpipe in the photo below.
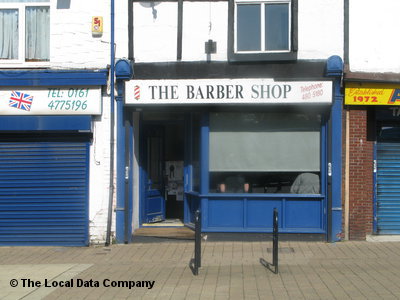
(112, 120)
(123, 72)
(334, 69)
(130, 30)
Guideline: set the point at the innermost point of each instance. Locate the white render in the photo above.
(372, 46)
(99, 180)
(154, 38)
(203, 21)
(72, 43)
(320, 30)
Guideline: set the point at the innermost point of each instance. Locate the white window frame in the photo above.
(21, 7)
(262, 46)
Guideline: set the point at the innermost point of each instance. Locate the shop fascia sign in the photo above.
(227, 91)
(372, 94)
(51, 101)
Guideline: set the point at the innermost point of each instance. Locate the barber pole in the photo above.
(137, 92)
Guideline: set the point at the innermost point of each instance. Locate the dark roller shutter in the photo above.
(44, 193)
(388, 187)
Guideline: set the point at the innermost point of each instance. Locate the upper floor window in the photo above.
(262, 29)
(24, 30)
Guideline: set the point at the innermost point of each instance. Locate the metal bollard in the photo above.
(274, 245)
(197, 243)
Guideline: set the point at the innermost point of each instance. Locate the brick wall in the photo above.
(360, 177)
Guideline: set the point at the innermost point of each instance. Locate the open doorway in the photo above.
(174, 166)
(162, 162)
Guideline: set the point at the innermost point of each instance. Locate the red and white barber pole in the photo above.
(137, 92)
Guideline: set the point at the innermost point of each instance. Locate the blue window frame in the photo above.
(265, 152)
(252, 212)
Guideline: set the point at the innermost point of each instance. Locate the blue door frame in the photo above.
(153, 139)
(143, 182)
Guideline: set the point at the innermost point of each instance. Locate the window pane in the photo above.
(266, 151)
(389, 133)
(248, 27)
(276, 27)
(264, 142)
(265, 182)
(37, 35)
(8, 34)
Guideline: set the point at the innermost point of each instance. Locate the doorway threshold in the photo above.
(153, 234)
(165, 223)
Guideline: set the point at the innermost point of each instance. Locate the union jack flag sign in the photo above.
(21, 100)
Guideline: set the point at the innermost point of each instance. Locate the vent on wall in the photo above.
(63, 4)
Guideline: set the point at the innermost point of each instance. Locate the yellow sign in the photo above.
(371, 94)
(97, 25)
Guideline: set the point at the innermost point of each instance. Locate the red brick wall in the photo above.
(360, 177)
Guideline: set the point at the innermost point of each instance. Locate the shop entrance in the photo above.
(162, 163)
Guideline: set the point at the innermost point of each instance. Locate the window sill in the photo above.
(250, 57)
(263, 196)
(24, 64)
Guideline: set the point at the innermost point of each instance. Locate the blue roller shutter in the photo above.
(388, 188)
(44, 192)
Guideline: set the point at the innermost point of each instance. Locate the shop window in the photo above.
(388, 132)
(265, 153)
(24, 30)
(262, 30)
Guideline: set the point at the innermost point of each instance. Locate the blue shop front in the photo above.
(45, 135)
(234, 149)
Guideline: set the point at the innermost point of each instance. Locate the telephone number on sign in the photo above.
(73, 105)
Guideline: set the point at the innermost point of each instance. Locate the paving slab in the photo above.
(230, 270)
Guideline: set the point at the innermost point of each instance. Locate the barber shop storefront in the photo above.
(234, 149)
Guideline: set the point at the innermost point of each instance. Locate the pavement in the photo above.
(230, 270)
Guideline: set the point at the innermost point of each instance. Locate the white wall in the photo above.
(72, 43)
(320, 30)
(155, 31)
(201, 22)
(135, 171)
(99, 182)
(121, 29)
(372, 45)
